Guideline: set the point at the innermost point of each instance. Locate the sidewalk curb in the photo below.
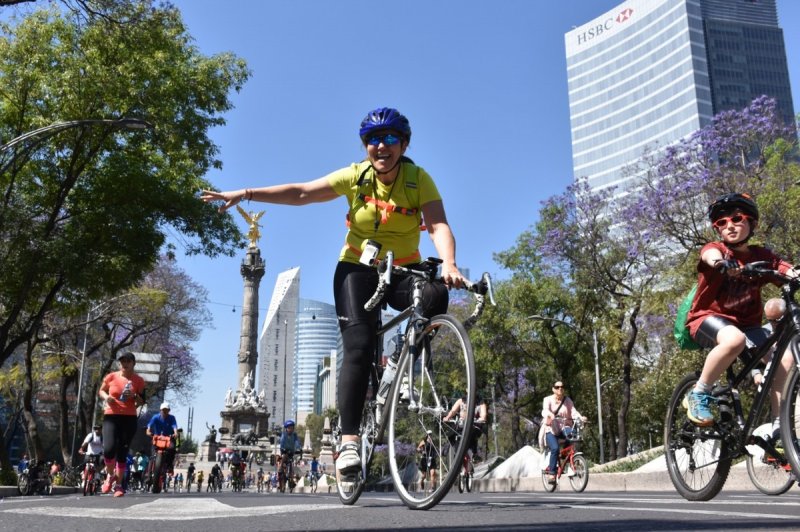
(738, 480)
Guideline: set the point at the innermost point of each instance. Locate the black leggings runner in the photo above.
(118, 432)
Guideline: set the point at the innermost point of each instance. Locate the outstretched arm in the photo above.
(315, 191)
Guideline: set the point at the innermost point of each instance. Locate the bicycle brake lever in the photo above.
(386, 267)
(486, 279)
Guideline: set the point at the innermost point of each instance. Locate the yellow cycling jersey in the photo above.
(389, 214)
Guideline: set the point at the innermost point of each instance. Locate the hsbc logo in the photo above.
(624, 15)
(599, 29)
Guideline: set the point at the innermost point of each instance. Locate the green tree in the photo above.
(84, 215)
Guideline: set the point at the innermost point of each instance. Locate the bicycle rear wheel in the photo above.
(443, 370)
(698, 461)
(790, 419)
(350, 486)
(547, 484)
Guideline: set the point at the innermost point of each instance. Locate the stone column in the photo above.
(252, 271)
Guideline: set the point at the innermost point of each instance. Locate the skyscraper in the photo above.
(317, 335)
(277, 346)
(650, 72)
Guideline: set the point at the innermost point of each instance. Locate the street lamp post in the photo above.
(596, 351)
(43, 133)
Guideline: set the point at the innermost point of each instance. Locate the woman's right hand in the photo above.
(231, 198)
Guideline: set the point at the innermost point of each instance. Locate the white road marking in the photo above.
(172, 510)
(693, 511)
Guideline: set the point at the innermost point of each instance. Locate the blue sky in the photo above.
(483, 84)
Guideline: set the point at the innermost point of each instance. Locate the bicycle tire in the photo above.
(87, 482)
(350, 487)
(548, 485)
(790, 418)
(696, 456)
(469, 477)
(24, 484)
(158, 478)
(461, 482)
(444, 369)
(581, 477)
(769, 472)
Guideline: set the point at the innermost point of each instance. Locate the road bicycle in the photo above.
(214, 483)
(312, 481)
(699, 458)
(286, 477)
(90, 477)
(467, 472)
(435, 365)
(35, 479)
(157, 467)
(237, 477)
(570, 461)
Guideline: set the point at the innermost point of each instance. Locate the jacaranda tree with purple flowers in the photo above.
(750, 150)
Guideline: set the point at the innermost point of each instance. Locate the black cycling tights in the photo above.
(353, 285)
(118, 432)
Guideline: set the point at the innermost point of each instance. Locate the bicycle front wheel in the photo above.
(579, 474)
(790, 419)
(442, 370)
(698, 461)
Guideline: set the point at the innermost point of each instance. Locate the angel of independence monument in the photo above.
(245, 418)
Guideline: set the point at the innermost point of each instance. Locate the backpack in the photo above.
(681, 332)
(411, 189)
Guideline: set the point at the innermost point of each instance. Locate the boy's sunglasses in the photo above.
(388, 140)
(720, 223)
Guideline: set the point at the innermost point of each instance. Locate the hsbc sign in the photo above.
(604, 26)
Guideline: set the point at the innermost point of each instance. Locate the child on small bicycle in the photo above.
(726, 312)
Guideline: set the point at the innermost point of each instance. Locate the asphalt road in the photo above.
(564, 510)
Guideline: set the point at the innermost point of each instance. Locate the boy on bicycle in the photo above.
(726, 311)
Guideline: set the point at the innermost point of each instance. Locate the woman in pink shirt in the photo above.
(558, 415)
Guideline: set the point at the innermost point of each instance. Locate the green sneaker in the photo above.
(697, 408)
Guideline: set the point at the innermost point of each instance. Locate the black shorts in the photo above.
(423, 464)
(707, 332)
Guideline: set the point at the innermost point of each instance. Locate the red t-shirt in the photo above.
(115, 383)
(737, 299)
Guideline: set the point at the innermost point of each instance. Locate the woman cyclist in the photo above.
(388, 196)
(558, 415)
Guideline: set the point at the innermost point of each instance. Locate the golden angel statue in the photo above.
(252, 218)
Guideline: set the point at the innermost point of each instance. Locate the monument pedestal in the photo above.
(242, 421)
(208, 451)
(326, 453)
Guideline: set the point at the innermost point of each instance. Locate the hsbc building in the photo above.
(650, 72)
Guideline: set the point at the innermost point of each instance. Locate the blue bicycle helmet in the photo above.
(382, 119)
(288, 423)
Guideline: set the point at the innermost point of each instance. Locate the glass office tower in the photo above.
(650, 72)
(317, 335)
